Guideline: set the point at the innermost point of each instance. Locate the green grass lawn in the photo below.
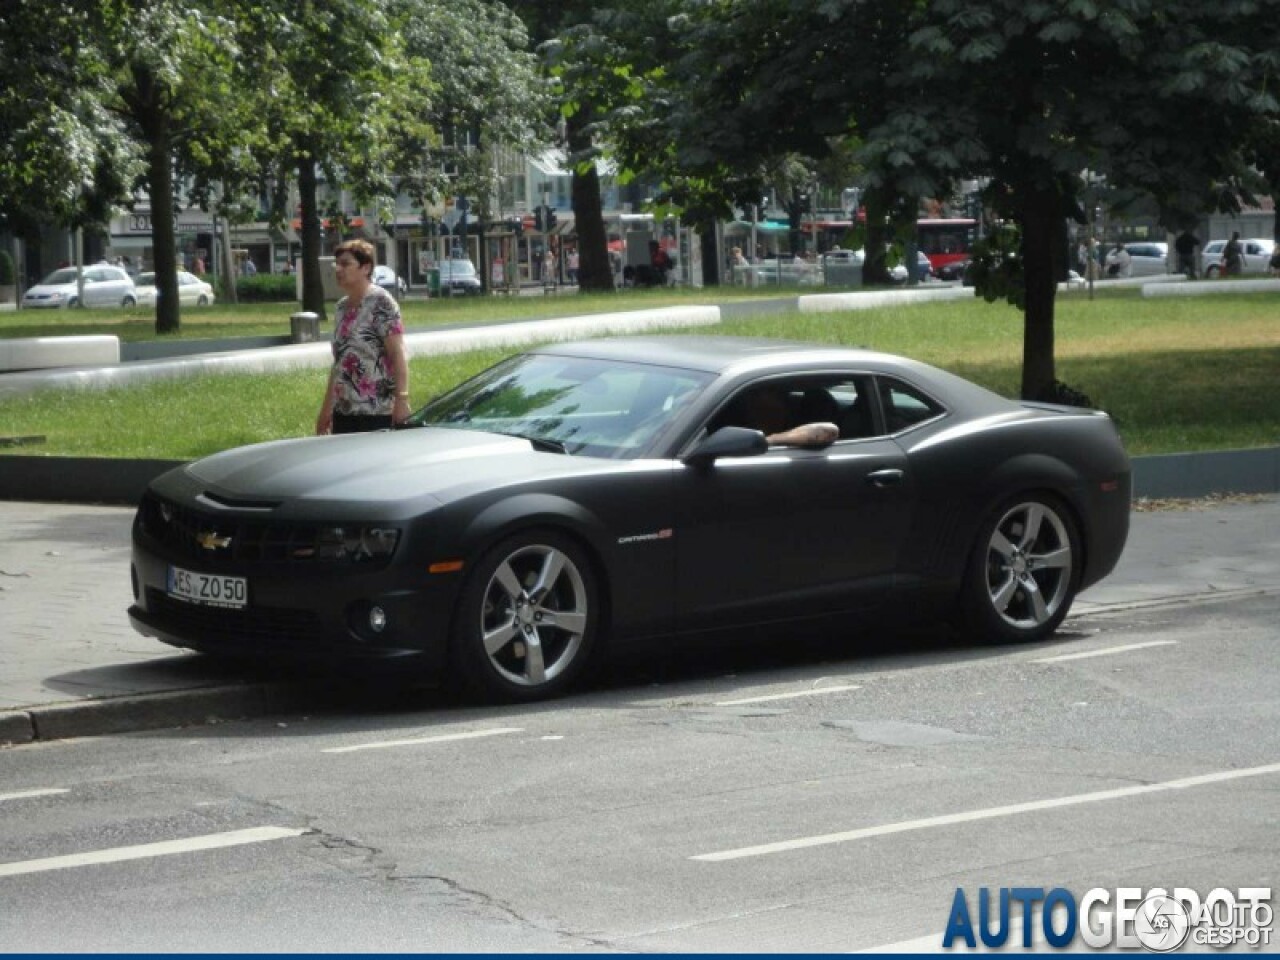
(1177, 374)
(272, 319)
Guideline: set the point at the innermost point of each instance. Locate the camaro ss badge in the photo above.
(666, 533)
(211, 540)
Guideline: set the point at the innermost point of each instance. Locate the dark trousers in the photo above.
(359, 423)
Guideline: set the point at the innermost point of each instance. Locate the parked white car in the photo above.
(192, 291)
(389, 281)
(1255, 255)
(104, 286)
(787, 270)
(1147, 259)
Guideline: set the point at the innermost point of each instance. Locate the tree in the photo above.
(138, 97)
(170, 72)
(1027, 95)
(489, 95)
(63, 154)
(1043, 92)
(581, 60)
(336, 94)
(735, 95)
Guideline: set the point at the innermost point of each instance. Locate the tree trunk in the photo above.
(1042, 216)
(312, 282)
(595, 273)
(878, 204)
(152, 115)
(712, 254)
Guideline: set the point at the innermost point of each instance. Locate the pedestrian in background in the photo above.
(1119, 261)
(1233, 256)
(368, 386)
(1186, 246)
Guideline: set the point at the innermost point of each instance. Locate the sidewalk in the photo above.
(70, 664)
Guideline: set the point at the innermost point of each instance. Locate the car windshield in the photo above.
(64, 275)
(459, 268)
(146, 280)
(594, 408)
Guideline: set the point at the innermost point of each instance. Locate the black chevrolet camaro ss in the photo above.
(615, 491)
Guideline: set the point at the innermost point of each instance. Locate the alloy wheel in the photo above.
(535, 614)
(1029, 565)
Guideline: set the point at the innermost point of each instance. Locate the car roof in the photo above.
(723, 355)
(733, 357)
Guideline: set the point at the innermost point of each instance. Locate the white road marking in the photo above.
(933, 942)
(969, 816)
(443, 738)
(788, 696)
(1107, 651)
(212, 841)
(24, 794)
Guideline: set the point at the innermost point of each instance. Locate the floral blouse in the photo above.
(365, 385)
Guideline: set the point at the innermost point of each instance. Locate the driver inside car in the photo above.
(766, 409)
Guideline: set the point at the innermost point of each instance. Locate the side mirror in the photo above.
(728, 442)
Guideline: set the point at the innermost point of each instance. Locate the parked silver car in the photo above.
(192, 291)
(458, 277)
(1255, 255)
(389, 281)
(1147, 258)
(104, 286)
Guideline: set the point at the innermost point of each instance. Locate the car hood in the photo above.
(387, 466)
(49, 289)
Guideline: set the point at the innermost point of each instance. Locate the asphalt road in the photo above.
(791, 794)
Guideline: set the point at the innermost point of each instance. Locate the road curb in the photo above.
(150, 711)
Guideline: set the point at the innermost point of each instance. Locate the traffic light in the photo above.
(540, 219)
(551, 219)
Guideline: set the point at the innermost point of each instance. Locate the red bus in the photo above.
(943, 241)
(946, 241)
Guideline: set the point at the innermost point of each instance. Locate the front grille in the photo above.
(220, 542)
(273, 626)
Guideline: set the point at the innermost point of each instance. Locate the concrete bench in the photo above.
(41, 353)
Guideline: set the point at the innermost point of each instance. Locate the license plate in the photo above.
(208, 589)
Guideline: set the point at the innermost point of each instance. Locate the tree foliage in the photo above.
(63, 155)
(1169, 97)
(488, 93)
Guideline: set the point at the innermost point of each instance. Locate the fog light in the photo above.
(377, 619)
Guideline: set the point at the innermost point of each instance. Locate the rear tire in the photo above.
(527, 619)
(1023, 572)
(128, 301)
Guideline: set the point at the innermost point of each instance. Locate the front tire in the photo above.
(1024, 571)
(128, 301)
(528, 618)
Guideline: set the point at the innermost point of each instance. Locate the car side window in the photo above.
(904, 406)
(794, 401)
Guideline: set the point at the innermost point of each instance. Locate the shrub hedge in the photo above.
(260, 288)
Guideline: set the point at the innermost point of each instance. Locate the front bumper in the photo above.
(306, 614)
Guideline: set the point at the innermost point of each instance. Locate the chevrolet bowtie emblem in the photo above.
(211, 541)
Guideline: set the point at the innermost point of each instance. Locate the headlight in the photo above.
(356, 543)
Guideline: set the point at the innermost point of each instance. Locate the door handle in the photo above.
(885, 478)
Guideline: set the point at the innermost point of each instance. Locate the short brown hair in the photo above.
(362, 250)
